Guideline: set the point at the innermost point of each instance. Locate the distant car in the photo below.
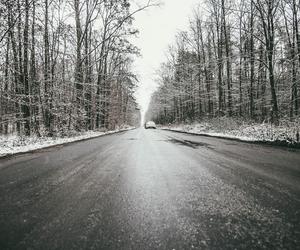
(150, 124)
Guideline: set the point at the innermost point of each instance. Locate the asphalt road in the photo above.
(151, 189)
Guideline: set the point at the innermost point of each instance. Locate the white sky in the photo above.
(158, 27)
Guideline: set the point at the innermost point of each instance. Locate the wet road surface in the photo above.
(151, 189)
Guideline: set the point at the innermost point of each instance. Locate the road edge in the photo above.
(283, 144)
(10, 155)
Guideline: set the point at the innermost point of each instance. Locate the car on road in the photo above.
(150, 124)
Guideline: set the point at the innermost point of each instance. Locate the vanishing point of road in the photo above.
(151, 189)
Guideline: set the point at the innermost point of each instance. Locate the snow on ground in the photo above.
(246, 131)
(13, 144)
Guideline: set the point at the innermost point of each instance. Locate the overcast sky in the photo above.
(158, 27)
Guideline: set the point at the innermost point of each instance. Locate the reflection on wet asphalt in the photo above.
(151, 189)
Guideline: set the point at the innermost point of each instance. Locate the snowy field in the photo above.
(13, 144)
(287, 133)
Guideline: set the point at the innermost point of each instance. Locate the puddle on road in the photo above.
(187, 143)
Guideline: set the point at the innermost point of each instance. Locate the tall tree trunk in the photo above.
(78, 66)
(270, 50)
(241, 40)
(34, 88)
(20, 69)
(228, 59)
(88, 80)
(5, 95)
(47, 80)
(296, 40)
(251, 94)
(26, 102)
(206, 73)
(220, 66)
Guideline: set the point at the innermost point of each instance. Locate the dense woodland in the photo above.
(239, 58)
(65, 65)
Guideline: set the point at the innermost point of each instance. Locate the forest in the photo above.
(67, 66)
(238, 59)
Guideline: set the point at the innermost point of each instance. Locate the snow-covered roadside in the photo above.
(285, 134)
(13, 144)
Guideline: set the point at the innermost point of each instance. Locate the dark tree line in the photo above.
(65, 65)
(238, 59)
